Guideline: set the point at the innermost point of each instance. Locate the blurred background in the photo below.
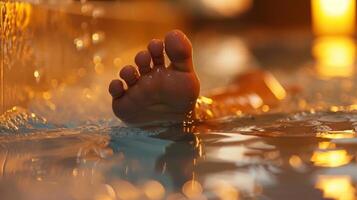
(56, 55)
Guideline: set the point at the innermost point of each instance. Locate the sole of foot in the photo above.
(157, 93)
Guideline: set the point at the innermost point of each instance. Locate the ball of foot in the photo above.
(157, 93)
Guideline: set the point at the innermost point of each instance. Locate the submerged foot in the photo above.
(157, 93)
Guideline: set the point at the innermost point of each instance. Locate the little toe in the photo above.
(116, 88)
(156, 49)
(179, 50)
(142, 60)
(130, 75)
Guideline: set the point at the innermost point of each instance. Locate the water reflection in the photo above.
(211, 162)
(331, 158)
(336, 187)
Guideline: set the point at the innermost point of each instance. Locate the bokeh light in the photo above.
(337, 187)
(228, 8)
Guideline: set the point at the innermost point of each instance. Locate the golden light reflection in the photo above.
(333, 16)
(302, 103)
(331, 158)
(334, 108)
(79, 43)
(255, 101)
(226, 191)
(106, 192)
(126, 191)
(327, 145)
(275, 87)
(203, 108)
(335, 56)
(154, 190)
(97, 59)
(204, 100)
(352, 107)
(17, 14)
(98, 37)
(295, 161)
(336, 187)
(337, 134)
(37, 75)
(192, 189)
(110, 191)
(47, 95)
(265, 108)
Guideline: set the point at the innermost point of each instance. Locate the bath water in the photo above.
(60, 140)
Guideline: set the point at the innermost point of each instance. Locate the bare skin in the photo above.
(156, 92)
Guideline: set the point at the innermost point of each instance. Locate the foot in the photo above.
(157, 93)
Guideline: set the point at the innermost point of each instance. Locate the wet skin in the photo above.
(156, 92)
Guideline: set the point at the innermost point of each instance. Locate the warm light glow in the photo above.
(126, 190)
(47, 95)
(255, 101)
(18, 14)
(98, 37)
(265, 108)
(226, 191)
(154, 190)
(228, 7)
(204, 100)
(79, 43)
(337, 134)
(326, 145)
(334, 108)
(192, 189)
(37, 75)
(295, 161)
(333, 158)
(336, 187)
(335, 56)
(333, 16)
(97, 59)
(225, 57)
(352, 107)
(275, 87)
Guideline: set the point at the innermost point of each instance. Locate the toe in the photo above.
(142, 60)
(130, 75)
(116, 88)
(156, 49)
(179, 49)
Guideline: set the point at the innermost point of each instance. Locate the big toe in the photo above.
(179, 49)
